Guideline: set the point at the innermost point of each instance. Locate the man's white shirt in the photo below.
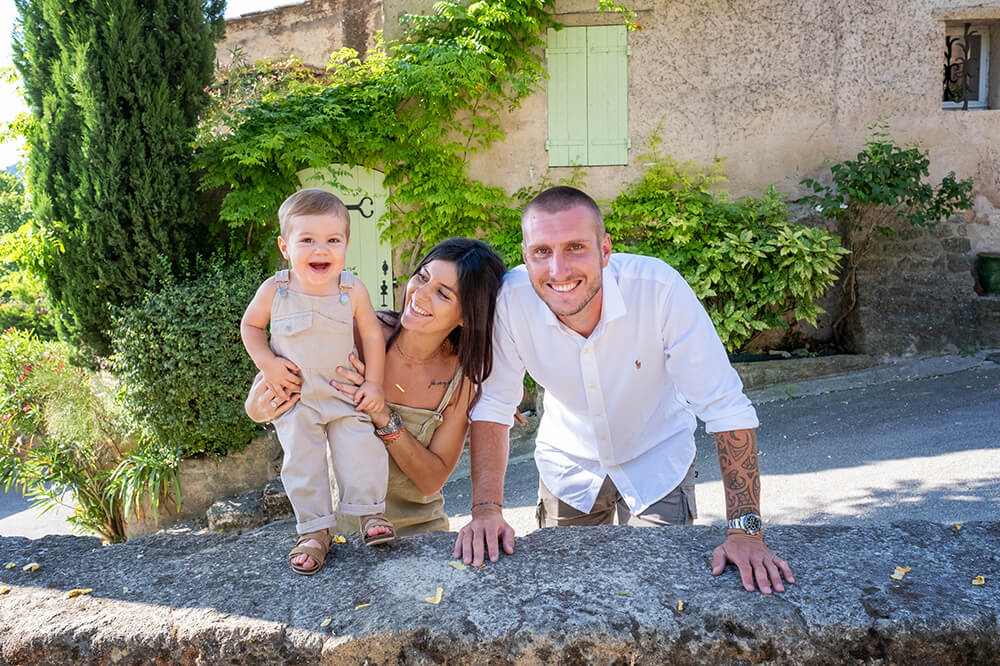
(622, 402)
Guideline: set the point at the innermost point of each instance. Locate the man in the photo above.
(627, 356)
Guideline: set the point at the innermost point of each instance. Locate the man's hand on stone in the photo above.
(483, 536)
(755, 562)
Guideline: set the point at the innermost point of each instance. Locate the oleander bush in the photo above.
(59, 435)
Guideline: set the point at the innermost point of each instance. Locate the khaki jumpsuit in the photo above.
(317, 334)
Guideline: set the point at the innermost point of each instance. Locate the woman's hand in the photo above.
(355, 378)
(263, 405)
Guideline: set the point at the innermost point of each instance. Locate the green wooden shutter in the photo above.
(607, 77)
(567, 93)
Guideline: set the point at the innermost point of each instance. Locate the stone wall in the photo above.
(311, 30)
(584, 595)
(204, 480)
(917, 294)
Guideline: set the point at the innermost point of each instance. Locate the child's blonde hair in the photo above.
(312, 201)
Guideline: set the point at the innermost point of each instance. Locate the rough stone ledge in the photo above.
(568, 596)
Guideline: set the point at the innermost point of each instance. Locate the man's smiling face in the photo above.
(565, 253)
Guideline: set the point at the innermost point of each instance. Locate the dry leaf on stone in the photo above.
(360, 606)
(339, 539)
(78, 591)
(30, 567)
(899, 573)
(4, 589)
(979, 580)
(436, 599)
(455, 564)
(624, 593)
(9, 565)
(957, 526)
(680, 606)
(326, 622)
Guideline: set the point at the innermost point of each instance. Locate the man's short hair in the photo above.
(312, 201)
(563, 197)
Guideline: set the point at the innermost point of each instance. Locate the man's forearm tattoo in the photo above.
(740, 474)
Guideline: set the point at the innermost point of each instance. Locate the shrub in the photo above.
(885, 182)
(57, 433)
(748, 263)
(184, 373)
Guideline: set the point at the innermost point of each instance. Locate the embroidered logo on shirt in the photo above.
(638, 364)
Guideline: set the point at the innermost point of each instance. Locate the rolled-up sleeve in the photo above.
(503, 390)
(699, 365)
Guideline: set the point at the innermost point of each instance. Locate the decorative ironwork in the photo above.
(361, 203)
(384, 287)
(959, 68)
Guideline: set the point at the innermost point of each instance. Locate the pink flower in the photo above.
(5, 418)
(21, 378)
(26, 408)
(27, 367)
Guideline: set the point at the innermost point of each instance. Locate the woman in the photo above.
(439, 350)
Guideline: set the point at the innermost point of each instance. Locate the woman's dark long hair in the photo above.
(480, 274)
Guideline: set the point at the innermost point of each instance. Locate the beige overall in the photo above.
(409, 510)
(317, 334)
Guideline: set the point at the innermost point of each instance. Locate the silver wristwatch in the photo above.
(749, 523)
(394, 425)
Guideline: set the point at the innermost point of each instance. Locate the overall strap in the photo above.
(283, 280)
(346, 282)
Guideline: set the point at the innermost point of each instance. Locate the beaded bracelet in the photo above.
(391, 437)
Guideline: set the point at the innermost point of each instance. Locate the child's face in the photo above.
(316, 248)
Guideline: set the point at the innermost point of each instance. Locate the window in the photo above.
(966, 67)
(588, 96)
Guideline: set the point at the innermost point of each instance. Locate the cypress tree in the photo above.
(115, 88)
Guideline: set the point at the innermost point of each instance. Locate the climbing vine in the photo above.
(416, 109)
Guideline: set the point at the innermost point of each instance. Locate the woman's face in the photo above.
(431, 301)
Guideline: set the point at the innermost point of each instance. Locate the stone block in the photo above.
(275, 501)
(236, 513)
(957, 245)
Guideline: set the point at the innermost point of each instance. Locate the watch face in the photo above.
(751, 523)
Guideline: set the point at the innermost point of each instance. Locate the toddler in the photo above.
(312, 309)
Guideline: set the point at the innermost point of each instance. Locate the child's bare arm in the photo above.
(370, 396)
(280, 374)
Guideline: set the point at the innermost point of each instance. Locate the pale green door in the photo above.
(361, 190)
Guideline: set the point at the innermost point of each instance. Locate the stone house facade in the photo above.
(779, 88)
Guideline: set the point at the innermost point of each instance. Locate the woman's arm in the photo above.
(429, 467)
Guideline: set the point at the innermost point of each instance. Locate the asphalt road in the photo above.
(918, 448)
(876, 446)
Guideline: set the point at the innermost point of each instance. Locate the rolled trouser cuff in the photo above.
(317, 524)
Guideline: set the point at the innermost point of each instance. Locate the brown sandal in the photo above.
(317, 554)
(378, 520)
